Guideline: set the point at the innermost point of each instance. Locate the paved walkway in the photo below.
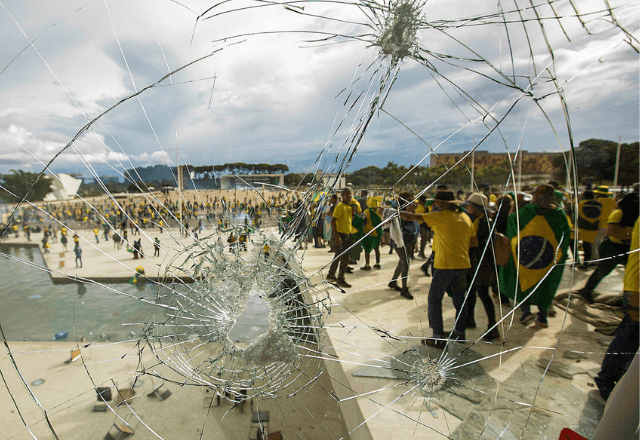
(372, 326)
(103, 262)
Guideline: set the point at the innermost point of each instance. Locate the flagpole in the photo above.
(473, 163)
(179, 187)
(569, 169)
(615, 174)
(520, 153)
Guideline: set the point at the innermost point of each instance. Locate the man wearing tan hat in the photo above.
(483, 267)
(454, 235)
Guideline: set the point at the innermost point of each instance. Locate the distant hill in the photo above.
(156, 173)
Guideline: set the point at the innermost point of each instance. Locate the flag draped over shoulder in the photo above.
(358, 224)
(373, 220)
(540, 247)
(589, 216)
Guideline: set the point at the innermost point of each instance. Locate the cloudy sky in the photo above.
(276, 89)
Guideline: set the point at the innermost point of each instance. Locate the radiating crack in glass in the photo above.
(195, 338)
(205, 286)
(430, 374)
(398, 35)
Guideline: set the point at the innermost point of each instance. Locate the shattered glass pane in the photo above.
(252, 334)
(196, 339)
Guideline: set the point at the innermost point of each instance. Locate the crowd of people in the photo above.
(118, 220)
(112, 218)
(144, 212)
(515, 244)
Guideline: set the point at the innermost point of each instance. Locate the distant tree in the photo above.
(197, 171)
(218, 170)
(294, 180)
(136, 187)
(231, 168)
(208, 172)
(390, 173)
(279, 168)
(596, 159)
(591, 157)
(494, 175)
(241, 168)
(19, 182)
(93, 189)
(115, 187)
(629, 163)
(366, 177)
(261, 168)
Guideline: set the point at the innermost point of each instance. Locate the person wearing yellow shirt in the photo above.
(96, 231)
(266, 249)
(615, 247)
(454, 235)
(429, 207)
(625, 342)
(342, 227)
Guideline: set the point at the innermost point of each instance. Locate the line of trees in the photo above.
(16, 185)
(595, 161)
(409, 176)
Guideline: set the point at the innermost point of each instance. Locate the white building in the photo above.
(230, 181)
(64, 187)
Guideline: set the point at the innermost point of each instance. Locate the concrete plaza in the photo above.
(533, 382)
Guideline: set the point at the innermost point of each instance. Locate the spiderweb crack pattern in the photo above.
(203, 316)
(315, 330)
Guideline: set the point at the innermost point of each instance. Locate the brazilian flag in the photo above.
(358, 224)
(370, 241)
(589, 214)
(538, 252)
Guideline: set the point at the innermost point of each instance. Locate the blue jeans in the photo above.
(402, 269)
(619, 355)
(454, 281)
(342, 261)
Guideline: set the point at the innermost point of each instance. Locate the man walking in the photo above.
(156, 247)
(78, 251)
(454, 235)
(539, 235)
(625, 342)
(341, 225)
